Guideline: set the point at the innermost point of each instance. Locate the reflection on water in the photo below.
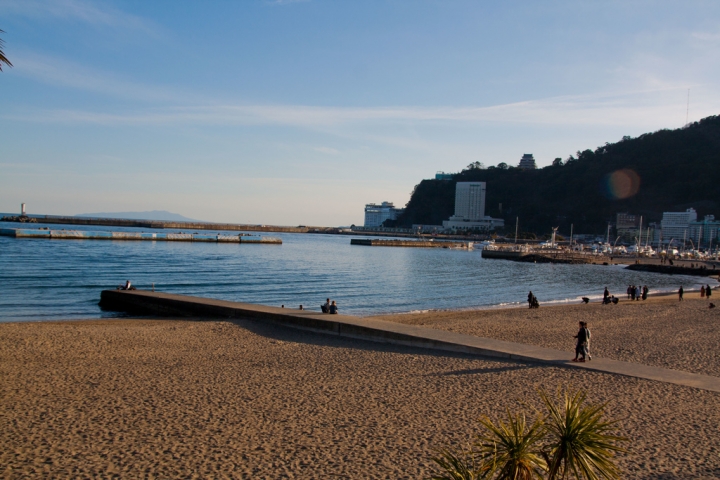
(57, 279)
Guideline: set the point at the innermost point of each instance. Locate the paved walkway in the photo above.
(389, 332)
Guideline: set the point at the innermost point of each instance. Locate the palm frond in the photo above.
(3, 58)
(455, 467)
(581, 442)
(510, 450)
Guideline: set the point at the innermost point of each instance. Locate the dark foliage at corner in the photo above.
(677, 169)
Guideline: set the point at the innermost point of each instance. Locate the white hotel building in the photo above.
(470, 209)
(376, 214)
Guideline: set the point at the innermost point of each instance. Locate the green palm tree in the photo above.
(456, 467)
(580, 442)
(511, 451)
(3, 58)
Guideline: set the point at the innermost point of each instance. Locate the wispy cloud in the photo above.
(635, 109)
(93, 13)
(60, 72)
(328, 150)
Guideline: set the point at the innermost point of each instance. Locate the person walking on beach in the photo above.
(638, 293)
(645, 291)
(580, 344)
(606, 294)
(702, 291)
(530, 299)
(632, 293)
(680, 293)
(587, 340)
(628, 291)
(707, 292)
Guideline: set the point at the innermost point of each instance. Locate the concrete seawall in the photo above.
(164, 304)
(163, 224)
(167, 237)
(408, 243)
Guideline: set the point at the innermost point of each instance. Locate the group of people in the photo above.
(533, 301)
(329, 307)
(705, 291)
(636, 292)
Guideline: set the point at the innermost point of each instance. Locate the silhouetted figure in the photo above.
(585, 299)
(680, 293)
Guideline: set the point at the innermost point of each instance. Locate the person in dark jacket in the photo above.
(581, 343)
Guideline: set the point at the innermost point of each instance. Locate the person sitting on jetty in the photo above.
(325, 307)
(127, 286)
(333, 308)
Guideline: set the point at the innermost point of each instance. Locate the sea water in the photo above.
(62, 279)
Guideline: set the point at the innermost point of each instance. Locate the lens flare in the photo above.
(622, 184)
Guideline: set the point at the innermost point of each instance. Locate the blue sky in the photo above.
(300, 112)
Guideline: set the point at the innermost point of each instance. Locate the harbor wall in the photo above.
(406, 243)
(163, 224)
(138, 236)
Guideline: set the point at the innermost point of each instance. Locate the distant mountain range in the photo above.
(151, 215)
(667, 170)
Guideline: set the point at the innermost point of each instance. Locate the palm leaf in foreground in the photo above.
(581, 442)
(455, 467)
(510, 450)
(3, 58)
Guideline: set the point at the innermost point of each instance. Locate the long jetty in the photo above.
(372, 242)
(163, 224)
(147, 236)
(164, 304)
(539, 256)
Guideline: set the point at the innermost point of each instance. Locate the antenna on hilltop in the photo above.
(687, 111)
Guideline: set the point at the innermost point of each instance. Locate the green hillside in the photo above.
(656, 172)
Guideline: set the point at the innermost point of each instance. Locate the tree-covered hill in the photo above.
(668, 170)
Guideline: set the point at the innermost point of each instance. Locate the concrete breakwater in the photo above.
(147, 236)
(675, 269)
(163, 224)
(408, 243)
(544, 257)
(376, 330)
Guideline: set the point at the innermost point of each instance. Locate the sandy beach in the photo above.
(660, 331)
(201, 399)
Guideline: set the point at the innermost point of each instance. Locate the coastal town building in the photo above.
(376, 214)
(627, 226)
(444, 176)
(470, 209)
(675, 227)
(527, 162)
(704, 233)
